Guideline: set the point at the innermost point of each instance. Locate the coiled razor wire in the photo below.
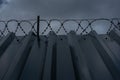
(59, 26)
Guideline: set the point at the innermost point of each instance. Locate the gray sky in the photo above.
(59, 8)
(47, 9)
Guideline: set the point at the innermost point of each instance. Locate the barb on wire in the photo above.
(16, 26)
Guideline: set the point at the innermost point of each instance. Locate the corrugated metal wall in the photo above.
(61, 57)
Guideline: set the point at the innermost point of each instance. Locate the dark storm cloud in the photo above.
(74, 7)
(3, 3)
(64, 8)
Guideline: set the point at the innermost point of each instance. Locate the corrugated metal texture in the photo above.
(61, 57)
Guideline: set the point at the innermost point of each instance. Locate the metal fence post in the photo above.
(38, 25)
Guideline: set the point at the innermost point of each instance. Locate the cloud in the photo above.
(3, 3)
(63, 8)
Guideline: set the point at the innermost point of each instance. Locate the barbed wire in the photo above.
(59, 26)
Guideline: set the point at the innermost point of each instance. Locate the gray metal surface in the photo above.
(61, 57)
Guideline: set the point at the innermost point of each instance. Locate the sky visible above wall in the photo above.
(59, 8)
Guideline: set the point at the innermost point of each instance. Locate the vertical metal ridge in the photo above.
(34, 64)
(53, 67)
(115, 35)
(8, 57)
(98, 69)
(105, 54)
(62, 57)
(17, 65)
(44, 59)
(48, 73)
(80, 64)
(65, 70)
(114, 47)
(5, 42)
